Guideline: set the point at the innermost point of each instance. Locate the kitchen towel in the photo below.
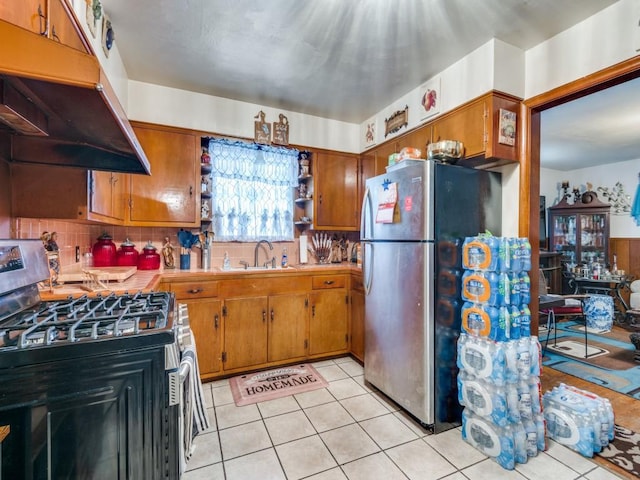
(195, 419)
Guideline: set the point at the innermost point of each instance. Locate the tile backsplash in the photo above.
(72, 235)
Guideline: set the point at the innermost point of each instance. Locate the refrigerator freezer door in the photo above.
(399, 328)
(413, 217)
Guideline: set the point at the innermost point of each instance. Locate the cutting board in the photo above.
(105, 274)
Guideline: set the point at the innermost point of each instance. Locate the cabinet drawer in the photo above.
(185, 291)
(328, 281)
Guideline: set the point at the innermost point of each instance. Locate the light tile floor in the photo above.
(349, 431)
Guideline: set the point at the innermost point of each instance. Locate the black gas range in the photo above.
(88, 385)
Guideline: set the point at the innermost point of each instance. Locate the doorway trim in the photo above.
(528, 224)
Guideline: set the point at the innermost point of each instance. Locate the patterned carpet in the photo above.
(615, 370)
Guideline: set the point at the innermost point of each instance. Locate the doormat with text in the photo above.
(272, 384)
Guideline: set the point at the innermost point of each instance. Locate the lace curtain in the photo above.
(252, 189)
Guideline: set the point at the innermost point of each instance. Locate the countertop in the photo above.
(147, 280)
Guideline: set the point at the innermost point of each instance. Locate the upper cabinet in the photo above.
(40, 191)
(487, 128)
(171, 195)
(336, 198)
(53, 19)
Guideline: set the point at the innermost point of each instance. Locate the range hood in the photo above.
(57, 108)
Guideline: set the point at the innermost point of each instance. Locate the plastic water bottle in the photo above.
(285, 258)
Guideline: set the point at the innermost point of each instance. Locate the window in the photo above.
(252, 189)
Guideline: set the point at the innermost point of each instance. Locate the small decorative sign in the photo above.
(396, 121)
(370, 133)
(507, 127)
(262, 130)
(281, 131)
(430, 98)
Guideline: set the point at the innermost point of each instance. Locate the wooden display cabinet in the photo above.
(579, 231)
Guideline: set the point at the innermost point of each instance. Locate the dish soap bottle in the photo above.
(226, 263)
(285, 259)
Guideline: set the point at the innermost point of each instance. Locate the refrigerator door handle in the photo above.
(366, 214)
(367, 266)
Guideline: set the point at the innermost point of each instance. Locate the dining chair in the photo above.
(562, 307)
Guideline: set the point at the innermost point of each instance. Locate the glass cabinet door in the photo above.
(593, 237)
(564, 229)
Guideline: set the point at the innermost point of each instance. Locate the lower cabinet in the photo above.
(328, 325)
(242, 324)
(288, 315)
(205, 317)
(357, 318)
(245, 332)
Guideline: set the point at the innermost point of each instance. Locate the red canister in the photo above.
(104, 251)
(149, 259)
(127, 255)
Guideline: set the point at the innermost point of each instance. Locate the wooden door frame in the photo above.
(529, 223)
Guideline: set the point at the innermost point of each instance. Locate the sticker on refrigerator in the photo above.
(387, 200)
(408, 203)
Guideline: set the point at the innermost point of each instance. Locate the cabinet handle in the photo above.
(264, 316)
(320, 198)
(54, 36)
(216, 318)
(195, 290)
(313, 310)
(329, 282)
(43, 21)
(272, 315)
(191, 191)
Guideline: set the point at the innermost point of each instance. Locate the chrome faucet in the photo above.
(255, 255)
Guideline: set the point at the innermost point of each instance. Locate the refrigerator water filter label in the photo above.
(387, 200)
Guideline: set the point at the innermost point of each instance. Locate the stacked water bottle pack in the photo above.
(498, 359)
(580, 420)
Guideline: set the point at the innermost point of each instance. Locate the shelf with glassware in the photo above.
(304, 193)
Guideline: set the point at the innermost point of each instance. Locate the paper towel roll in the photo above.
(303, 248)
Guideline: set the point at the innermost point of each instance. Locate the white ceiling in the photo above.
(338, 59)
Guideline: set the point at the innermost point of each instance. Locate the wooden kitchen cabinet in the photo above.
(40, 191)
(357, 317)
(328, 325)
(205, 321)
(170, 196)
(288, 320)
(476, 124)
(245, 332)
(51, 18)
(336, 201)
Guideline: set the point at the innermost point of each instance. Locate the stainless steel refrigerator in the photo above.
(414, 220)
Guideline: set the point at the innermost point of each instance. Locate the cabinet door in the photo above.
(563, 230)
(328, 324)
(107, 196)
(25, 14)
(467, 125)
(288, 316)
(62, 27)
(357, 324)
(336, 191)
(205, 323)
(168, 197)
(245, 332)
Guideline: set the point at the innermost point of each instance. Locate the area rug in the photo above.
(624, 450)
(615, 370)
(272, 384)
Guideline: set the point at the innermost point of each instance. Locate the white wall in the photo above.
(600, 41)
(622, 224)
